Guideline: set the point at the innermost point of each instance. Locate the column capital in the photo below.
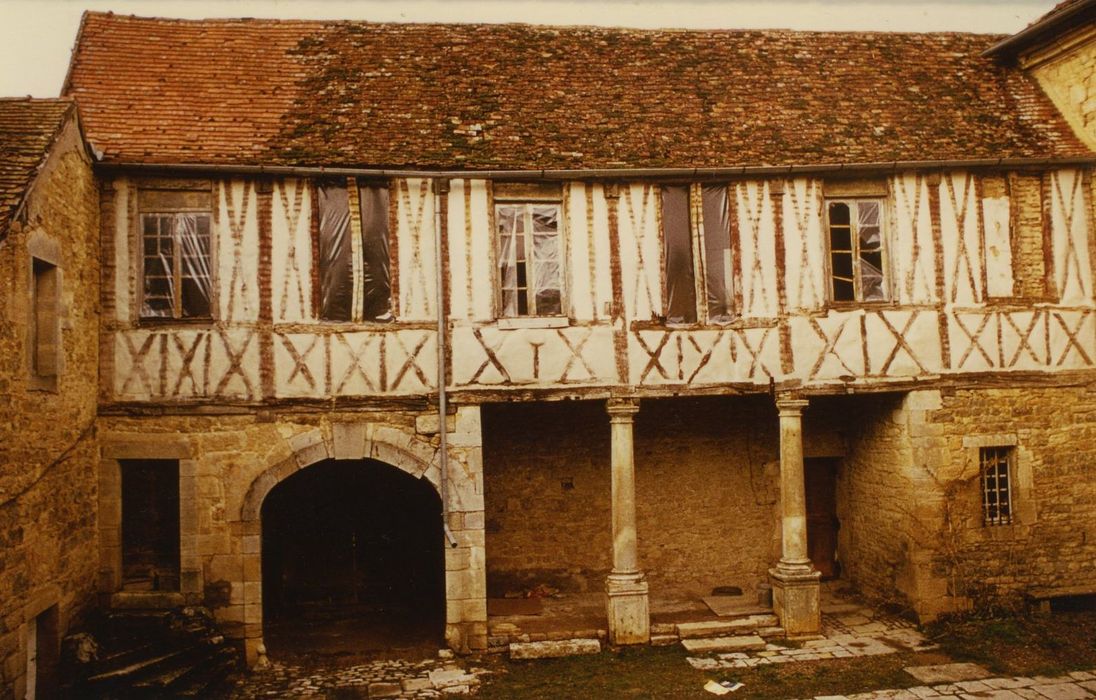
(791, 404)
(622, 408)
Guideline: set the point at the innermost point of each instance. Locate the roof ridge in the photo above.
(530, 25)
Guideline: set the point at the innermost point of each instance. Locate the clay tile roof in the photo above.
(27, 130)
(359, 94)
(1063, 17)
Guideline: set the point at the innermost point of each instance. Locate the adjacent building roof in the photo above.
(28, 128)
(1065, 16)
(359, 94)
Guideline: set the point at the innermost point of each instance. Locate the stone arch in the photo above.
(350, 441)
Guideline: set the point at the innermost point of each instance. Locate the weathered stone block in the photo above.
(551, 650)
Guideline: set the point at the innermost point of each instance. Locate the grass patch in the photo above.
(1022, 646)
(648, 672)
(1025, 645)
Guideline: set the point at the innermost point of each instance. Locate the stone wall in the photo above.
(707, 492)
(229, 463)
(1069, 79)
(1050, 547)
(47, 437)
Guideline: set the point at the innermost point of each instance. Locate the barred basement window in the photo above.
(996, 485)
(856, 250)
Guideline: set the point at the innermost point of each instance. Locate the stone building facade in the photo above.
(708, 333)
(49, 357)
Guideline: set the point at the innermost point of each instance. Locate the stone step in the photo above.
(726, 627)
(555, 649)
(712, 644)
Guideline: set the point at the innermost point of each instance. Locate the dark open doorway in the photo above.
(822, 522)
(353, 563)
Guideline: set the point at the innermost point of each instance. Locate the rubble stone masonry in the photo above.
(707, 492)
(229, 463)
(48, 451)
(1068, 75)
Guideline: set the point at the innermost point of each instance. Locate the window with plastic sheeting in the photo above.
(857, 268)
(530, 255)
(678, 254)
(177, 282)
(355, 278)
(718, 280)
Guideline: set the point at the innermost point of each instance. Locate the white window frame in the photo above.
(527, 206)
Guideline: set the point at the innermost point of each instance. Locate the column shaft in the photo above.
(626, 589)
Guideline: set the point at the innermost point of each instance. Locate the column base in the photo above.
(796, 600)
(629, 612)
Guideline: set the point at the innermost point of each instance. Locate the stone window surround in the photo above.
(110, 517)
(1022, 488)
(43, 247)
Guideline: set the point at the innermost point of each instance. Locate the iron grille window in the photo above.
(856, 250)
(529, 259)
(177, 279)
(996, 485)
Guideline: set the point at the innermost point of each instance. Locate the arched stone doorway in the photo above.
(352, 562)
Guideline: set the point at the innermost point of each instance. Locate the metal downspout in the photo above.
(441, 188)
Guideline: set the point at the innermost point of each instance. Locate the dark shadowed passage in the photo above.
(352, 563)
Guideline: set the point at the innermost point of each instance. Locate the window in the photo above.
(177, 281)
(713, 225)
(996, 470)
(677, 245)
(856, 250)
(44, 322)
(530, 255)
(354, 264)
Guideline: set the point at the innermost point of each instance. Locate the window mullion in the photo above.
(176, 267)
(530, 267)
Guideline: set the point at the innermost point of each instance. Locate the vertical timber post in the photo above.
(795, 581)
(626, 587)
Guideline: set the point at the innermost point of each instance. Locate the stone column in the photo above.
(795, 581)
(629, 616)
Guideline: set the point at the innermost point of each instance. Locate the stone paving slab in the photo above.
(1078, 685)
(947, 673)
(409, 680)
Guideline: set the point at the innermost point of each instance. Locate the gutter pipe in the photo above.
(441, 188)
(603, 173)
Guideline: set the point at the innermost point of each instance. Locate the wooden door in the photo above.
(822, 523)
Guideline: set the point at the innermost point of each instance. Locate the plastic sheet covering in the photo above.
(717, 254)
(546, 267)
(336, 258)
(176, 247)
(871, 252)
(376, 267)
(678, 247)
(192, 231)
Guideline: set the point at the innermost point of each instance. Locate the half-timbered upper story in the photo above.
(288, 208)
